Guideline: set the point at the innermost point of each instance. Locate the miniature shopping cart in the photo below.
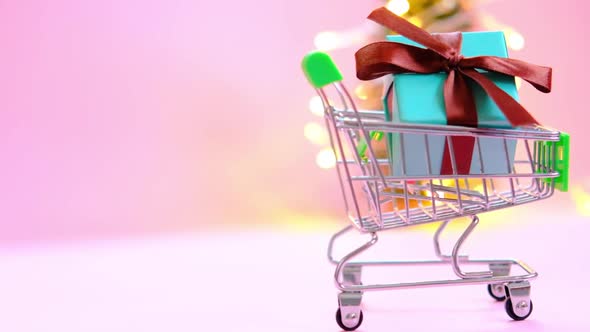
(377, 198)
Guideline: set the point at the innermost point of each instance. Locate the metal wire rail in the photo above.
(521, 184)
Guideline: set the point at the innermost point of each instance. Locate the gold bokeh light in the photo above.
(327, 40)
(325, 158)
(315, 133)
(316, 106)
(514, 39)
(398, 7)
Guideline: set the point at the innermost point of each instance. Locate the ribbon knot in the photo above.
(453, 61)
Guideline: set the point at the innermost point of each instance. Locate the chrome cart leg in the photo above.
(351, 275)
(455, 254)
(439, 230)
(519, 305)
(497, 291)
(497, 269)
(332, 240)
(437, 249)
(349, 315)
(344, 263)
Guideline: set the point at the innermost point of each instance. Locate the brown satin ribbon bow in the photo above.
(443, 53)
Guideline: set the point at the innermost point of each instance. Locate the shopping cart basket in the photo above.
(378, 199)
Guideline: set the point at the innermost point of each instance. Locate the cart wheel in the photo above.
(520, 316)
(497, 291)
(344, 327)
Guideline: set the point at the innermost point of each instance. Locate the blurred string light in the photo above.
(415, 20)
(325, 158)
(518, 82)
(361, 92)
(398, 7)
(316, 106)
(514, 39)
(448, 4)
(332, 40)
(328, 40)
(582, 200)
(316, 133)
(473, 184)
(434, 16)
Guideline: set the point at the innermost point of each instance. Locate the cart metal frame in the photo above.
(369, 183)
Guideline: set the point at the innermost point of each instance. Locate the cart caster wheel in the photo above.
(524, 313)
(345, 327)
(497, 291)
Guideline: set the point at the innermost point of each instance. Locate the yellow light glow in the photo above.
(582, 200)
(514, 39)
(316, 106)
(361, 92)
(316, 133)
(295, 221)
(518, 82)
(326, 159)
(447, 5)
(415, 20)
(473, 184)
(398, 7)
(327, 40)
(448, 183)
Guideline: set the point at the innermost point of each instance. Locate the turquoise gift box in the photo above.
(418, 98)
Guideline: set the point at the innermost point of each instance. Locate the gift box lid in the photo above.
(419, 97)
(491, 43)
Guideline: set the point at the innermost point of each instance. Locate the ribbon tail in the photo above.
(514, 112)
(537, 76)
(461, 111)
(462, 151)
(459, 102)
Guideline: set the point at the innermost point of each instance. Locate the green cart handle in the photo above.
(562, 163)
(320, 70)
(562, 160)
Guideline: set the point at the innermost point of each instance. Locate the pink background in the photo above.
(133, 117)
(155, 176)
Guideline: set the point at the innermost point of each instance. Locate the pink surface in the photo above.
(281, 281)
(140, 120)
(127, 117)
